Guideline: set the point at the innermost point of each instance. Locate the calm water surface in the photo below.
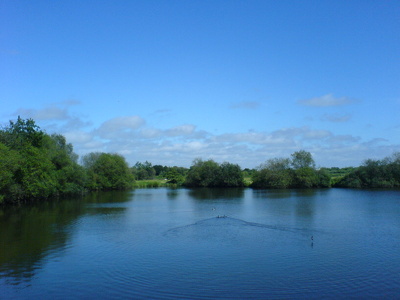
(171, 244)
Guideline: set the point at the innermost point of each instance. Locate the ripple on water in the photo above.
(211, 259)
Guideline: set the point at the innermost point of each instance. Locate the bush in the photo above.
(211, 174)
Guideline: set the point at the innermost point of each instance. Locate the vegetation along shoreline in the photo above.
(35, 165)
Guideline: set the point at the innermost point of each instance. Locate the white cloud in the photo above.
(249, 149)
(150, 133)
(186, 129)
(316, 134)
(122, 123)
(78, 137)
(326, 100)
(48, 113)
(179, 145)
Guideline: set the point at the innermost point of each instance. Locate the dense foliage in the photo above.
(383, 173)
(36, 165)
(211, 174)
(142, 171)
(107, 171)
(146, 171)
(295, 172)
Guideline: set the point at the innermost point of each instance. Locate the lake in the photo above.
(204, 244)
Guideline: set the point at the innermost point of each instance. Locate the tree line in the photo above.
(298, 171)
(36, 165)
(383, 173)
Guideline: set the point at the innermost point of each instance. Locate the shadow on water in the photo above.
(30, 234)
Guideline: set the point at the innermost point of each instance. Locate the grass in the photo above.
(150, 183)
(153, 183)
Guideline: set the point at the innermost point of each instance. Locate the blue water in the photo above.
(204, 244)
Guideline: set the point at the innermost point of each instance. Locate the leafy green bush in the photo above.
(211, 174)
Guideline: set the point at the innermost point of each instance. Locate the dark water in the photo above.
(171, 244)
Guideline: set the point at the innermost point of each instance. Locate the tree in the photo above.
(211, 174)
(324, 179)
(305, 177)
(107, 171)
(36, 165)
(174, 176)
(372, 173)
(143, 171)
(302, 159)
(203, 174)
(297, 172)
(9, 164)
(159, 169)
(21, 133)
(275, 173)
(230, 175)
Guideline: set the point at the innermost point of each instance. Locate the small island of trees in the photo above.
(35, 165)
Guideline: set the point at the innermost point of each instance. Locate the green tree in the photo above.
(174, 176)
(275, 173)
(107, 171)
(38, 178)
(324, 179)
(142, 171)
(305, 177)
(21, 133)
(372, 173)
(203, 174)
(231, 175)
(9, 164)
(211, 174)
(297, 172)
(302, 159)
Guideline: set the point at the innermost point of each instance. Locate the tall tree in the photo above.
(302, 159)
(21, 133)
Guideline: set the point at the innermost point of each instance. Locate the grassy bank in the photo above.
(151, 183)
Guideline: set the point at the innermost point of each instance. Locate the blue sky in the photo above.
(236, 81)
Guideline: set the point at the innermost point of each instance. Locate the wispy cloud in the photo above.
(54, 112)
(119, 127)
(326, 101)
(186, 129)
(336, 118)
(48, 113)
(246, 105)
(180, 144)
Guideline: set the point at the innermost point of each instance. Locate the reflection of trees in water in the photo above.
(30, 233)
(216, 193)
(272, 193)
(305, 207)
(108, 197)
(304, 199)
(172, 194)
